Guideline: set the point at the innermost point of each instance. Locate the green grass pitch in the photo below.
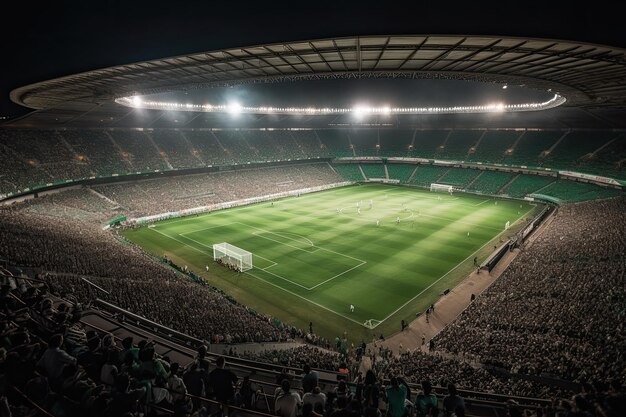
(315, 255)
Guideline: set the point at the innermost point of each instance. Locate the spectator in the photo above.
(453, 403)
(287, 402)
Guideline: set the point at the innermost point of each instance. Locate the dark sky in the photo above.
(58, 38)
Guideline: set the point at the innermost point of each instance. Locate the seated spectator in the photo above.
(316, 398)
(287, 402)
(54, 359)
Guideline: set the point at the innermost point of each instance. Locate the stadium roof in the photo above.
(588, 75)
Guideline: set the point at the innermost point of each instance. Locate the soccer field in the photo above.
(388, 250)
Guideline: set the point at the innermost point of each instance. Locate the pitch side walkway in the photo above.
(449, 306)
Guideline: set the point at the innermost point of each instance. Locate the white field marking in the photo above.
(461, 222)
(205, 228)
(304, 298)
(210, 247)
(315, 246)
(338, 275)
(482, 202)
(260, 234)
(179, 241)
(276, 263)
(439, 279)
(271, 273)
(292, 234)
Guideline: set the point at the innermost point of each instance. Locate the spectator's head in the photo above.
(452, 389)
(127, 342)
(370, 377)
(219, 362)
(56, 340)
(202, 351)
(306, 368)
(394, 382)
(285, 386)
(427, 387)
(174, 368)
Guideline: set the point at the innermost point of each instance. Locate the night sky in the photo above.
(53, 39)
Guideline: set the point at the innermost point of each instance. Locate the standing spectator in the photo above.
(396, 396)
(310, 379)
(426, 401)
(222, 382)
(453, 403)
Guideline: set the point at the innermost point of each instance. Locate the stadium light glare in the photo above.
(234, 108)
(358, 111)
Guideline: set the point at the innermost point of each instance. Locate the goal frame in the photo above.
(434, 187)
(233, 256)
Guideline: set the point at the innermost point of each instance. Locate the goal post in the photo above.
(441, 187)
(232, 256)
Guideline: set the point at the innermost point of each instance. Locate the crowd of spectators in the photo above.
(299, 356)
(38, 157)
(64, 251)
(559, 310)
(164, 195)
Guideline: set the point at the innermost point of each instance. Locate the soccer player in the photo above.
(398, 220)
(372, 204)
(207, 268)
(467, 234)
(351, 308)
(358, 210)
(337, 209)
(377, 222)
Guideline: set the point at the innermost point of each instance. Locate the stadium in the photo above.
(320, 204)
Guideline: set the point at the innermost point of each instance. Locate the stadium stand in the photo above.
(426, 175)
(336, 141)
(40, 157)
(137, 147)
(459, 177)
(493, 146)
(373, 170)
(97, 149)
(526, 184)
(427, 142)
(163, 195)
(395, 142)
(530, 147)
(539, 301)
(459, 143)
(206, 147)
(490, 182)
(175, 148)
(350, 172)
(576, 191)
(400, 172)
(574, 146)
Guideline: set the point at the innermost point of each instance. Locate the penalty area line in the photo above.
(305, 299)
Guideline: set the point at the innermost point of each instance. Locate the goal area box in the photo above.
(232, 256)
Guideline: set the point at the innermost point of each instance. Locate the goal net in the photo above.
(232, 256)
(441, 187)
